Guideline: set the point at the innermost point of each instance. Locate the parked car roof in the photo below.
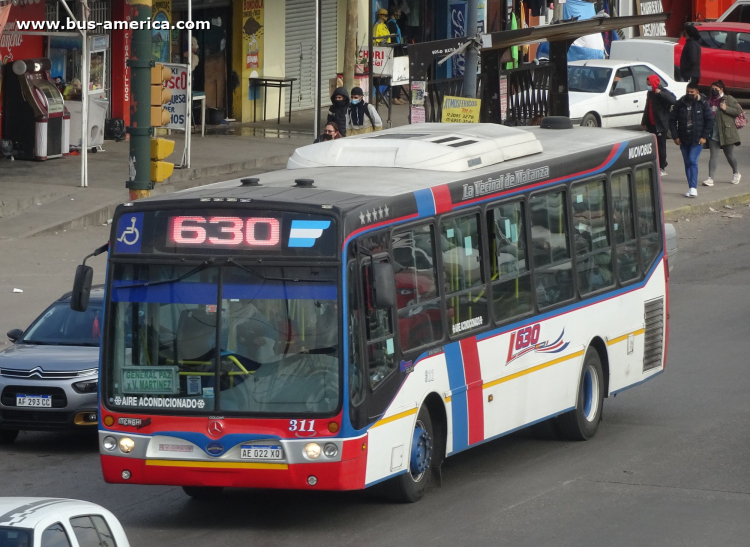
(27, 512)
(607, 63)
(96, 294)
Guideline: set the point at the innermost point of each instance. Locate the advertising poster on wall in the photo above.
(649, 7)
(177, 106)
(160, 41)
(14, 47)
(252, 41)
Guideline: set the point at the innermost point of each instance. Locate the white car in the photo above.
(607, 93)
(54, 522)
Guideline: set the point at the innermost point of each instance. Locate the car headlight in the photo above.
(109, 443)
(126, 444)
(86, 386)
(312, 450)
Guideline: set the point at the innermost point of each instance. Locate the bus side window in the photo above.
(647, 229)
(591, 236)
(509, 272)
(551, 248)
(356, 376)
(379, 331)
(417, 292)
(623, 224)
(464, 274)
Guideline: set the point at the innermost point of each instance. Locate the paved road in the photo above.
(668, 467)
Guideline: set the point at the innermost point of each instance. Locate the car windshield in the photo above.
(61, 326)
(15, 537)
(231, 339)
(588, 79)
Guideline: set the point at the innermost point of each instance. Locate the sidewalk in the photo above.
(45, 197)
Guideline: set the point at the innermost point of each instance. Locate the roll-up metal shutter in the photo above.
(300, 50)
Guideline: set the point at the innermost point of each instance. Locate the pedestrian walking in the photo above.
(330, 133)
(724, 135)
(339, 107)
(362, 118)
(691, 123)
(690, 60)
(659, 102)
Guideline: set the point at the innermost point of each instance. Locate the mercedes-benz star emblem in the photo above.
(215, 428)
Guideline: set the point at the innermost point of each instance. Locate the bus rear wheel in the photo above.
(410, 487)
(582, 423)
(203, 492)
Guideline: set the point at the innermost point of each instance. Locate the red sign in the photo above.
(199, 231)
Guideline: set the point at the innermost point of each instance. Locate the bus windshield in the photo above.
(251, 340)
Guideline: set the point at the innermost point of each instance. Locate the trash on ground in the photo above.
(17, 290)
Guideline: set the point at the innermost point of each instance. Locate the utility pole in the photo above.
(350, 44)
(470, 66)
(140, 63)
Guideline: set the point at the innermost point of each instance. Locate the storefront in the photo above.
(15, 47)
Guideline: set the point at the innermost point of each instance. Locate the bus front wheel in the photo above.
(410, 487)
(203, 492)
(582, 423)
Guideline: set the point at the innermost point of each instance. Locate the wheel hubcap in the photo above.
(590, 393)
(421, 452)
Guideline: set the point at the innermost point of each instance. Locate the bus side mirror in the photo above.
(79, 299)
(384, 284)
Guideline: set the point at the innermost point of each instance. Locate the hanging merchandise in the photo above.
(514, 49)
(585, 47)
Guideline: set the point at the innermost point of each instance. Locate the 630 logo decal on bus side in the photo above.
(526, 340)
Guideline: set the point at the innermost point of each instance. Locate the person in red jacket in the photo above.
(655, 119)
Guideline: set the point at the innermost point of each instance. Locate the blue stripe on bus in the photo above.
(425, 202)
(207, 293)
(459, 404)
(576, 305)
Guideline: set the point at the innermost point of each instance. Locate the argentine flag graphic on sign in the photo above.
(304, 233)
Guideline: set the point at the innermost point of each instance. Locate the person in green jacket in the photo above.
(724, 135)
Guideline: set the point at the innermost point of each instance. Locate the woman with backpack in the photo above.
(362, 116)
(724, 135)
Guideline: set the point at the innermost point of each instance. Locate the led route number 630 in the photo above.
(198, 230)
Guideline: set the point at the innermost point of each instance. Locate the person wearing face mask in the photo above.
(724, 135)
(691, 124)
(330, 133)
(655, 119)
(362, 118)
(339, 107)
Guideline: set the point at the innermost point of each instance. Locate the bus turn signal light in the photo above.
(333, 427)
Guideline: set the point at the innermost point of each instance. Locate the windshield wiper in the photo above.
(200, 267)
(231, 262)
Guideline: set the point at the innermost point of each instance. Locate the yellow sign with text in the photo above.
(460, 110)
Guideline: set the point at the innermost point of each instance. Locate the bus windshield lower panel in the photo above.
(260, 340)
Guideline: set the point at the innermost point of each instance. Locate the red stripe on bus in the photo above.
(474, 394)
(443, 201)
(374, 225)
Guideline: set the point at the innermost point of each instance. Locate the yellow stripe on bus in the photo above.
(625, 337)
(532, 369)
(216, 465)
(394, 417)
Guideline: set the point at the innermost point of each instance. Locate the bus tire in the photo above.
(582, 423)
(203, 492)
(410, 487)
(590, 120)
(7, 436)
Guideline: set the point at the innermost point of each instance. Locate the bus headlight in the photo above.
(312, 450)
(126, 444)
(109, 443)
(330, 450)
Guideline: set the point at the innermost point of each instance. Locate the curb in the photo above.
(181, 175)
(698, 209)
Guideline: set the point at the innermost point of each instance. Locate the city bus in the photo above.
(383, 303)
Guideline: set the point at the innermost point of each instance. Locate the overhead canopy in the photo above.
(565, 31)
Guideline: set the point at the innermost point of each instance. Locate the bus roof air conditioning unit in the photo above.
(432, 147)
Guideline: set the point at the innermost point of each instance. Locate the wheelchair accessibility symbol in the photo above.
(130, 235)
